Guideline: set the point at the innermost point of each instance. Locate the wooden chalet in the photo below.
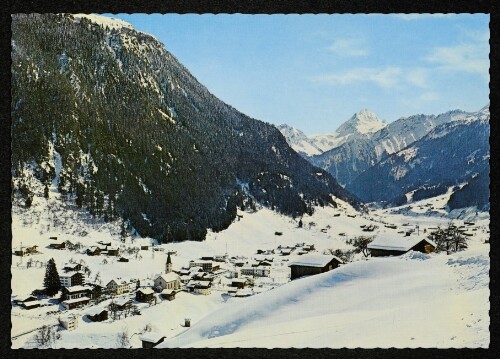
(311, 264)
(72, 267)
(113, 251)
(168, 294)
(31, 305)
(59, 245)
(20, 252)
(27, 302)
(26, 251)
(121, 303)
(144, 295)
(286, 252)
(75, 292)
(151, 339)
(75, 303)
(94, 251)
(200, 286)
(239, 282)
(395, 246)
(97, 314)
(22, 300)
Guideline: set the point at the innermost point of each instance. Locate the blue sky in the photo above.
(315, 71)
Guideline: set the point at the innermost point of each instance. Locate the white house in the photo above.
(69, 322)
(206, 265)
(118, 286)
(259, 271)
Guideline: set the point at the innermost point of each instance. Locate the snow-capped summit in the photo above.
(363, 122)
(299, 141)
(104, 21)
(484, 112)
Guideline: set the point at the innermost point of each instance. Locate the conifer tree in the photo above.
(51, 282)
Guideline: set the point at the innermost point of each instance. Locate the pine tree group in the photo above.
(51, 282)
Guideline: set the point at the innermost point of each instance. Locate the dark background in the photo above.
(238, 6)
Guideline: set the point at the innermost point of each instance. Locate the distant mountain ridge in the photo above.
(360, 124)
(451, 154)
(354, 152)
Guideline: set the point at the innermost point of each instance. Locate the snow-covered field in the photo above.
(409, 301)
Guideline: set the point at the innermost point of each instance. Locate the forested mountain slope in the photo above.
(110, 117)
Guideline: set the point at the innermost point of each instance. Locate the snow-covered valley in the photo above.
(414, 300)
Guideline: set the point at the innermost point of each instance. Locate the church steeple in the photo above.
(168, 266)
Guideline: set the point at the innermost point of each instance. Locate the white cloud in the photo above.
(418, 77)
(387, 77)
(466, 57)
(349, 47)
(429, 97)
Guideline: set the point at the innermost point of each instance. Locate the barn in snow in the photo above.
(311, 264)
(391, 246)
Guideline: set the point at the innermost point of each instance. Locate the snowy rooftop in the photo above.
(95, 311)
(168, 277)
(25, 297)
(314, 260)
(77, 288)
(122, 301)
(167, 291)
(239, 280)
(146, 290)
(77, 300)
(397, 243)
(151, 337)
(31, 303)
(257, 267)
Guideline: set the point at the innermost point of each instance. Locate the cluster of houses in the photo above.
(103, 249)
(299, 249)
(197, 277)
